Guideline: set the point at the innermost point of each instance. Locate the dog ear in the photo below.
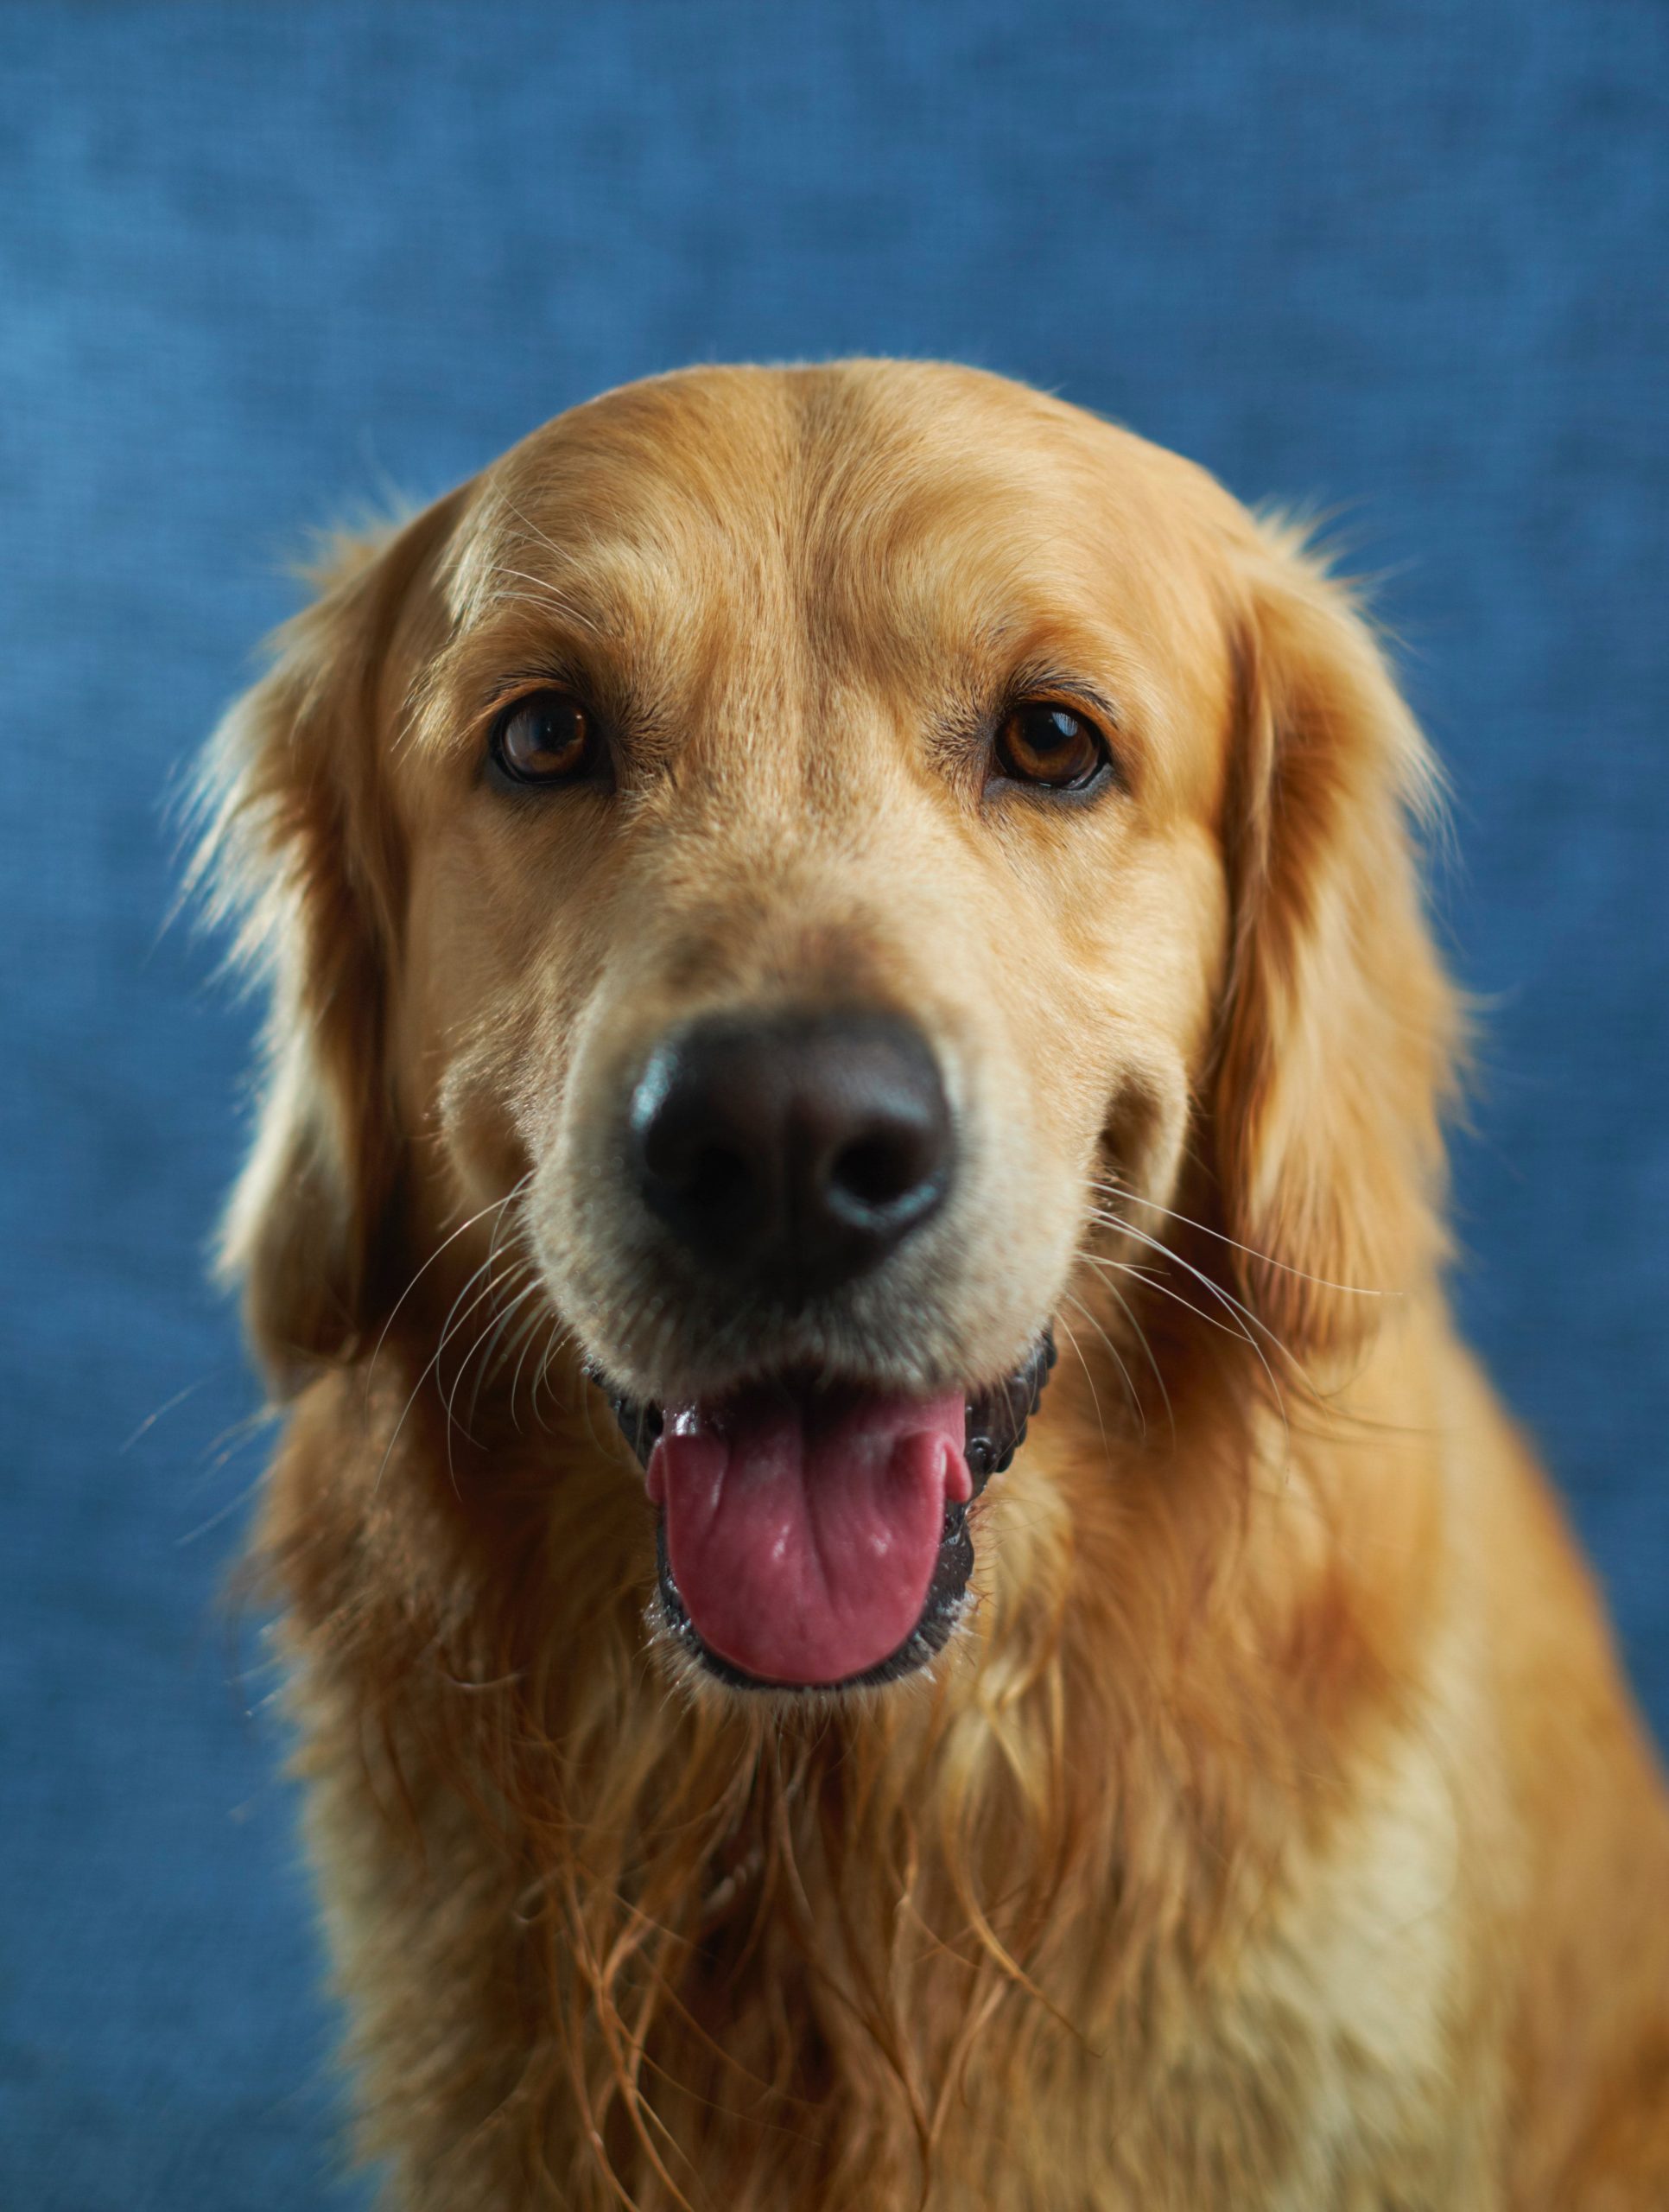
(302, 851)
(1340, 1029)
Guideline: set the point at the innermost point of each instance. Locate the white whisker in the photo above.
(449, 1396)
(1115, 1190)
(517, 1260)
(558, 1337)
(449, 1328)
(1089, 1378)
(1140, 1335)
(1248, 1319)
(497, 1205)
(1130, 1388)
(485, 1370)
(1155, 1244)
(525, 1338)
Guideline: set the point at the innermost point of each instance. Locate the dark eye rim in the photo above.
(1108, 774)
(594, 766)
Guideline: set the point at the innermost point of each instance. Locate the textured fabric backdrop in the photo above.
(260, 264)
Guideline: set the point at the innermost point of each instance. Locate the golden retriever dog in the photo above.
(897, 1591)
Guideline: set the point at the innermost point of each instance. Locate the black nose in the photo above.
(792, 1151)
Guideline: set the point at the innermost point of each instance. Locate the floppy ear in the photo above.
(1339, 1028)
(301, 850)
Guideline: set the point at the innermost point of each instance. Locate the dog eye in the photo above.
(547, 737)
(1044, 742)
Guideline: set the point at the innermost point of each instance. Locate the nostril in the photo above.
(879, 1172)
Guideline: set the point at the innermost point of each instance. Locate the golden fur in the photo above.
(1276, 1832)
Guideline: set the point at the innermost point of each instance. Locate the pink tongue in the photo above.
(802, 1532)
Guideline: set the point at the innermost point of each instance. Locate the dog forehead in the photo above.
(856, 475)
(746, 539)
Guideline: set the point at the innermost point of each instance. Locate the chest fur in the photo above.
(824, 2028)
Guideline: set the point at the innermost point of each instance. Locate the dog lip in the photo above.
(995, 1427)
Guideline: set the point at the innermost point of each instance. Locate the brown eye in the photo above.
(546, 738)
(1042, 742)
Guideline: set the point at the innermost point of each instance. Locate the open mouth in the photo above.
(816, 1537)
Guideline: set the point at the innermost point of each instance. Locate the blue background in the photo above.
(259, 264)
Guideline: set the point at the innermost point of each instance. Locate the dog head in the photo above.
(820, 852)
